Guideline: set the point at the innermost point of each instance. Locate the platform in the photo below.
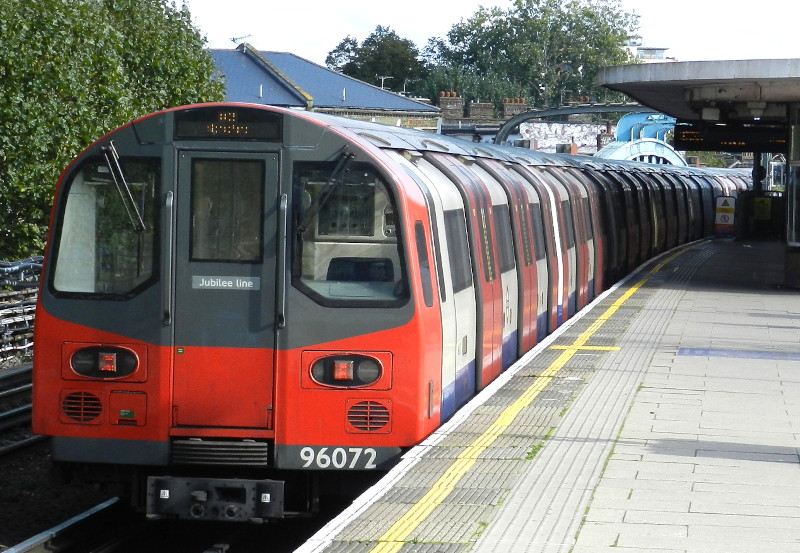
(664, 418)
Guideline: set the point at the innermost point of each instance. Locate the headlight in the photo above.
(347, 371)
(104, 362)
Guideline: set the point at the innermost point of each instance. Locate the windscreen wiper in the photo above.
(112, 161)
(331, 185)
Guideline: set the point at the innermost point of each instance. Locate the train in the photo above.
(243, 306)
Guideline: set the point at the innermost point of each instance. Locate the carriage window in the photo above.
(424, 264)
(505, 239)
(569, 226)
(538, 230)
(587, 210)
(107, 238)
(455, 229)
(346, 245)
(227, 203)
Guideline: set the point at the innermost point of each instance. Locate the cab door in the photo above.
(224, 289)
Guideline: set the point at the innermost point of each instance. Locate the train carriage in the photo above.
(550, 257)
(243, 306)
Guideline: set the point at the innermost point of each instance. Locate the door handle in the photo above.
(280, 315)
(167, 298)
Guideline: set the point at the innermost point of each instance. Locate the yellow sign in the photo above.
(762, 210)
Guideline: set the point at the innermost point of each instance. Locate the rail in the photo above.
(19, 283)
(75, 533)
(15, 413)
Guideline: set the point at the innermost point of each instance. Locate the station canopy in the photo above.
(734, 106)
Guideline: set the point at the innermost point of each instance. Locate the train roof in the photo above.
(401, 138)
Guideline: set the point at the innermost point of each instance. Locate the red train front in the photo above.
(218, 307)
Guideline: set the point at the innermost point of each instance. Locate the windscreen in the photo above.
(106, 236)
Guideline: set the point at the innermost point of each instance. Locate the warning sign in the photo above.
(724, 216)
(762, 210)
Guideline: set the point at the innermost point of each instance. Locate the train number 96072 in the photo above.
(339, 457)
(335, 457)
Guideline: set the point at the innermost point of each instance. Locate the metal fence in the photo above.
(19, 282)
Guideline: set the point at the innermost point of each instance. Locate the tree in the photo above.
(383, 59)
(73, 70)
(550, 49)
(342, 57)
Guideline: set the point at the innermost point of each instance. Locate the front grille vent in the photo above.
(196, 451)
(82, 406)
(368, 416)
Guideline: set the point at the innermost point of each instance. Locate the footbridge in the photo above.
(640, 136)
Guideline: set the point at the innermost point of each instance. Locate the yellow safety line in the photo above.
(394, 538)
(587, 348)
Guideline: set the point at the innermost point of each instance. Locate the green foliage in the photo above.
(546, 51)
(342, 58)
(550, 49)
(382, 54)
(73, 70)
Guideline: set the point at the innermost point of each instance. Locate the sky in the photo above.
(692, 30)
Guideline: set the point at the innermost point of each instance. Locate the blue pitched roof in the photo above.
(284, 79)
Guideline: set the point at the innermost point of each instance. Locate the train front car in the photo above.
(227, 313)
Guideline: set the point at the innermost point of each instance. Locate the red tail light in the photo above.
(108, 362)
(343, 369)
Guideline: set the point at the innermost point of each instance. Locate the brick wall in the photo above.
(481, 110)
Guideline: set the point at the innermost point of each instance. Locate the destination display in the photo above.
(214, 123)
(731, 138)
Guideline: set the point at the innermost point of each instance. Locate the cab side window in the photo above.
(347, 249)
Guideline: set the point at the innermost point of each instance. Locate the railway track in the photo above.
(19, 281)
(15, 412)
(18, 294)
(98, 529)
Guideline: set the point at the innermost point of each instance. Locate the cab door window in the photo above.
(227, 208)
